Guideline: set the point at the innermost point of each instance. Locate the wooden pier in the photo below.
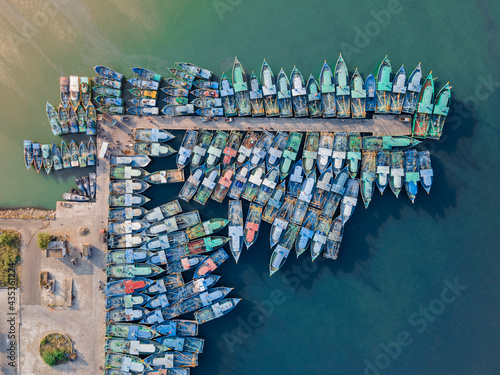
(379, 125)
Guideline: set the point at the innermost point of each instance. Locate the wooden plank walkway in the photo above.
(379, 125)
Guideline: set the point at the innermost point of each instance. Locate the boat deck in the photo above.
(379, 125)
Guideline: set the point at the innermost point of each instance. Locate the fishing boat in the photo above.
(290, 154)
(175, 100)
(183, 344)
(368, 170)
(235, 229)
(55, 122)
(304, 198)
(86, 185)
(82, 160)
(153, 149)
(128, 187)
(206, 228)
(28, 153)
(109, 100)
(91, 120)
(268, 185)
(323, 187)
(74, 91)
(63, 119)
(299, 93)
(75, 154)
(85, 91)
(412, 175)
(310, 152)
(354, 153)
(64, 91)
(168, 176)
(425, 106)
(320, 236)
(92, 182)
(398, 91)
(210, 112)
(383, 170)
(252, 224)
(327, 87)
(441, 109)
(127, 200)
(358, 96)
(111, 109)
(172, 362)
(108, 73)
(210, 264)
(102, 81)
(284, 95)
(413, 90)
(125, 172)
(254, 182)
(205, 93)
(239, 182)
(201, 84)
(47, 158)
(397, 171)
(179, 83)
(339, 152)
(192, 183)
(261, 149)
(333, 199)
(306, 232)
(214, 151)
(152, 135)
(131, 364)
(166, 241)
(145, 84)
(162, 212)
(313, 97)
(282, 219)
(256, 97)
(165, 284)
(81, 115)
(205, 244)
(195, 70)
(276, 150)
(173, 224)
(396, 142)
(92, 156)
(334, 239)
(350, 199)
(207, 102)
(191, 289)
(207, 186)
(426, 171)
(178, 110)
(231, 149)
(274, 203)
(325, 150)
(269, 90)
(281, 251)
(127, 286)
(296, 179)
(384, 87)
(146, 74)
(56, 157)
(107, 91)
(370, 88)
(153, 94)
(127, 241)
(224, 183)
(342, 90)
(66, 156)
(73, 120)
(143, 111)
(126, 213)
(130, 330)
(75, 197)
(216, 310)
(177, 327)
(128, 255)
(227, 96)
(134, 347)
(245, 150)
(132, 161)
(241, 89)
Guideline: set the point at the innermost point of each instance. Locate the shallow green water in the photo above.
(330, 317)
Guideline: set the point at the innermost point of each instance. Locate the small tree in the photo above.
(10, 238)
(43, 239)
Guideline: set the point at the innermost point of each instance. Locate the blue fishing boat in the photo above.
(370, 88)
(108, 73)
(413, 90)
(146, 74)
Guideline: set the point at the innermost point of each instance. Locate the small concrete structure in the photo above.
(56, 249)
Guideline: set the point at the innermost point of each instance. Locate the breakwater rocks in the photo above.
(27, 213)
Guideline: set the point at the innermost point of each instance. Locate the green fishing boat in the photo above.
(282, 219)
(269, 90)
(313, 97)
(153, 149)
(387, 142)
(152, 94)
(241, 89)
(134, 347)
(64, 119)
(342, 90)
(91, 120)
(268, 185)
(126, 330)
(215, 149)
(66, 156)
(284, 95)
(327, 86)
(398, 91)
(290, 154)
(75, 154)
(205, 245)
(83, 155)
(354, 153)
(368, 169)
(127, 200)
(358, 96)
(125, 172)
(227, 96)
(107, 91)
(441, 109)
(310, 152)
(120, 271)
(56, 157)
(299, 93)
(207, 186)
(339, 152)
(396, 178)
(55, 122)
(256, 97)
(281, 251)
(82, 119)
(254, 182)
(274, 203)
(425, 106)
(384, 87)
(47, 157)
(199, 151)
(168, 176)
(320, 236)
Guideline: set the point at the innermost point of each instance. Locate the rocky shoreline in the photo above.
(27, 213)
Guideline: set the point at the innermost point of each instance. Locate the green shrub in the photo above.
(10, 238)
(10, 242)
(43, 239)
(54, 357)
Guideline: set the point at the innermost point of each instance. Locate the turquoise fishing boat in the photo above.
(284, 95)
(227, 96)
(425, 106)
(327, 86)
(269, 90)
(384, 87)
(342, 90)
(358, 96)
(241, 89)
